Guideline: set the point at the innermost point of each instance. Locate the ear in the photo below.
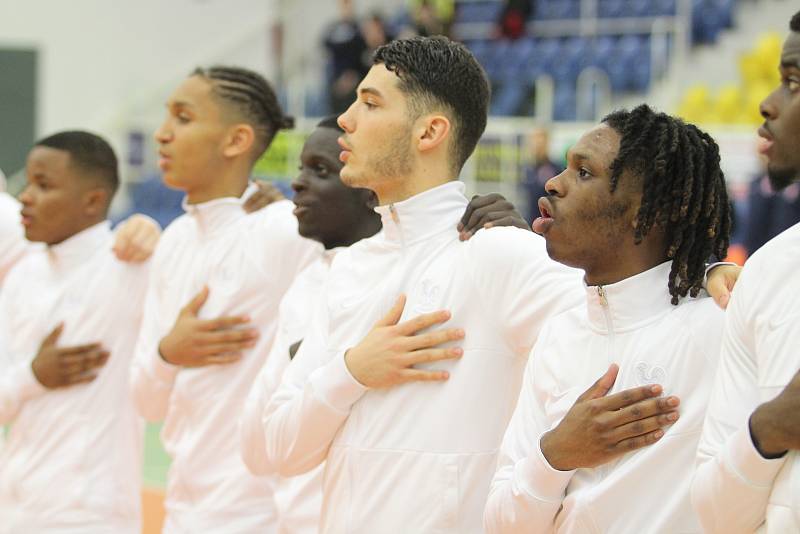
(433, 131)
(96, 201)
(369, 198)
(239, 140)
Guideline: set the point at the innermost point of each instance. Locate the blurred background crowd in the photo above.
(555, 65)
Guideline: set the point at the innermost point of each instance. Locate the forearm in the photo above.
(735, 478)
(302, 418)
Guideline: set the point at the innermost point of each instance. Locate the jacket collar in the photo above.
(424, 214)
(217, 214)
(630, 303)
(79, 247)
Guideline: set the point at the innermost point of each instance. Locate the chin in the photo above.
(781, 178)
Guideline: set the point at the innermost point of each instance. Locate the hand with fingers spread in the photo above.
(486, 211)
(56, 367)
(136, 239)
(387, 355)
(599, 428)
(195, 342)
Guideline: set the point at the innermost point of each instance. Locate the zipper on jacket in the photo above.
(396, 220)
(604, 469)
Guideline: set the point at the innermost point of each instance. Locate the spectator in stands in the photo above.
(347, 47)
(538, 170)
(514, 18)
(375, 33)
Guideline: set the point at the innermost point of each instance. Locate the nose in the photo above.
(26, 196)
(345, 121)
(769, 107)
(162, 134)
(554, 186)
(300, 183)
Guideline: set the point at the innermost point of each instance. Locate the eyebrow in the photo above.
(370, 90)
(179, 104)
(580, 156)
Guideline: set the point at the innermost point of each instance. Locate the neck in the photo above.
(622, 268)
(367, 227)
(88, 223)
(405, 187)
(230, 182)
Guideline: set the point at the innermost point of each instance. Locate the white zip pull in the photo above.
(602, 294)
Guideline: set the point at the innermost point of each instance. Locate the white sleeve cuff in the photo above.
(744, 459)
(25, 381)
(334, 384)
(539, 479)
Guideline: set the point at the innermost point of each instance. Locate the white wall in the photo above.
(101, 58)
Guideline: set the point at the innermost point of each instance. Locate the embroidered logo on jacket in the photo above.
(647, 374)
(427, 297)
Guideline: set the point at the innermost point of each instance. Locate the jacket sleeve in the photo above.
(17, 381)
(12, 238)
(309, 407)
(730, 473)
(514, 274)
(152, 378)
(251, 428)
(526, 492)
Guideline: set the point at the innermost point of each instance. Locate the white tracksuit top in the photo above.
(652, 341)
(248, 262)
(735, 488)
(72, 461)
(298, 499)
(418, 457)
(12, 237)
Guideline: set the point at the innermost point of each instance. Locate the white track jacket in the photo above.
(72, 461)
(735, 488)
(12, 237)
(248, 262)
(298, 499)
(418, 457)
(630, 323)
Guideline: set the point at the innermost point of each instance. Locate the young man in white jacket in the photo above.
(72, 462)
(194, 365)
(134, 240)
(612, 404)
(337, 216)
(408, 419)
(748, 470)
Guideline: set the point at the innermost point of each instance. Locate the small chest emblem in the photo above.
(428, 297)
(647, 374)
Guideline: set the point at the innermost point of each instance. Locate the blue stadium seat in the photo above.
(610, 8)
(486, 11)
(564, 103)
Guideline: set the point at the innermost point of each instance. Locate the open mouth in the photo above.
(542, 224)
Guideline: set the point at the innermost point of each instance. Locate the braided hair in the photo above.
(252, 97)
(683, 190)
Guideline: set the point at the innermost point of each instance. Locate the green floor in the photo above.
(156, 460)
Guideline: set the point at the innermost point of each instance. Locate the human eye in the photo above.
(584, 173)
(321, 170)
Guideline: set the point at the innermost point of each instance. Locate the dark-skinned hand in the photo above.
(266, 195)
(599, 428)
(57, 367)
(775, 425)
(486, 211)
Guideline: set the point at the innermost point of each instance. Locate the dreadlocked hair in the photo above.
(252, 97)
(683, 190)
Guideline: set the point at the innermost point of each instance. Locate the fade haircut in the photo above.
(90, 154)
(794, 24)
(253, 100)
(683, 190)
(438, 74)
